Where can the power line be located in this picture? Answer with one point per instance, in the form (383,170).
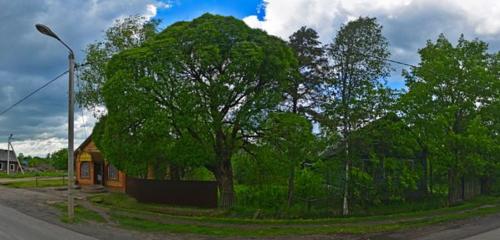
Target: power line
(87,63)
(32,93)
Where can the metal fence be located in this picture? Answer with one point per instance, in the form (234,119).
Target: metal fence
(179,193)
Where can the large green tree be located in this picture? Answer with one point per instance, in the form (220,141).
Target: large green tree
(446,94)
(124,34)
(355,94)
(305,85)
(211,81)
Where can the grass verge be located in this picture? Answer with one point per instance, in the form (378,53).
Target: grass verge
(157,218)
(41,183)
(33,174)
(265,230)
(82,214)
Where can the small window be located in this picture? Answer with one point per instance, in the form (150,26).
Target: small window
(112,172)
(12,167)
(84,170)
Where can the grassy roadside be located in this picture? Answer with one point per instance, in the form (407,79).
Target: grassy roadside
(33,174)
(82,214)
(40,183)
(155,218)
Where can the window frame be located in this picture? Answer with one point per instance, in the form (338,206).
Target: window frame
(117,173)
(81,170)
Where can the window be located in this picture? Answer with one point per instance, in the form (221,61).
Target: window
(1,166)
(12,167)
(112,172)
(84,170)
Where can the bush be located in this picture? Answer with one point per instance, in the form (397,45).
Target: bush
(265,197)
(310,188)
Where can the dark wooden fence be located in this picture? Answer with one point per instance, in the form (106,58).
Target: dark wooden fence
(179,193)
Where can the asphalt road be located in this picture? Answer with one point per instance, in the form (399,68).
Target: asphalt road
(491,235)
(15,225)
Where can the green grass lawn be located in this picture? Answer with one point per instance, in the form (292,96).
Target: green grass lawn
(37,184)
(82,214)
(159,218)
(33,174)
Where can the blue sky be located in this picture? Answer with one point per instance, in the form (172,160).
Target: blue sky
(189,9)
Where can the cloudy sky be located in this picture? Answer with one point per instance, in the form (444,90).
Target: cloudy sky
(28,59)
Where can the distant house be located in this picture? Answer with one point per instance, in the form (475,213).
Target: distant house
(92,169)
(9,156)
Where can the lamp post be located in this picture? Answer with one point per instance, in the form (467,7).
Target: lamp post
(71,104)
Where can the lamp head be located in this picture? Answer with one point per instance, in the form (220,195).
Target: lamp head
(46,31)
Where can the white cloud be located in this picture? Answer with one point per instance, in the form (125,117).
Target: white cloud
(282,17)
(407,24)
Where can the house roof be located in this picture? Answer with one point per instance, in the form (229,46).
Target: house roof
(3,155)
(84,143)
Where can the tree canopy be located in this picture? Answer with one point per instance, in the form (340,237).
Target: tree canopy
(208,82)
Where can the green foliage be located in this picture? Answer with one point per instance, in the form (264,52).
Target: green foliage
(270,197)
(447,94)
(125,33)
(264,167)
(305,85)
(59,159)
(354,96)
(310,187)
(213,97)
(208,82)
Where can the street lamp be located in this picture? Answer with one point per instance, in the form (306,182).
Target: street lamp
(71,104)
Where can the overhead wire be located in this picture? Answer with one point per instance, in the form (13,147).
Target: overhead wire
(87,63)
(32,93)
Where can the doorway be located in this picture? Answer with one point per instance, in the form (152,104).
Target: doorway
(98,173)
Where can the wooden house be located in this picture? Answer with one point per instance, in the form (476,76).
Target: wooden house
(8,159)
(94,173)
(92,169)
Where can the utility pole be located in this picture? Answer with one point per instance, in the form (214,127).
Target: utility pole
(71,103)
(9,148)
(71,137)
(8,154)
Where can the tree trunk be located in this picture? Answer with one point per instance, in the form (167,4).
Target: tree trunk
(291,186)
(424,181)
(151,172)
(224,177)
(175,174)
(454,188)
(431,178)
(485,185)
(345,204)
